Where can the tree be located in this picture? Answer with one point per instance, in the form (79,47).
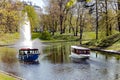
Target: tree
(9,15)
(32,15)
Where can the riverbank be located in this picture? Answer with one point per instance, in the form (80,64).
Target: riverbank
(106,51)
(8,39)
(8,76)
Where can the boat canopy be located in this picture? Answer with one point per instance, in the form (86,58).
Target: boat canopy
(28,49)
(79,47)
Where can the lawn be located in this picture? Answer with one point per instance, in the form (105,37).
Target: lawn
(8,38)
(6,77)
(115,46)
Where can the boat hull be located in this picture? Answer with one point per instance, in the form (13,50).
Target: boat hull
(79,57)
(30,57)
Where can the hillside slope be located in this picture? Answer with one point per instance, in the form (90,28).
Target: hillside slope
(112,42)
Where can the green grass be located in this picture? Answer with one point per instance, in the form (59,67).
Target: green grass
(115,46)
(89,35)
(6,77)
(56,37)
(8,38)
(35,35)
(110,43)
(67,36)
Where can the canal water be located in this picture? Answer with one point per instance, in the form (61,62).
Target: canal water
(55,64)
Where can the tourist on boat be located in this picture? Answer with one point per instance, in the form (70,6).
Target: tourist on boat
(28,52)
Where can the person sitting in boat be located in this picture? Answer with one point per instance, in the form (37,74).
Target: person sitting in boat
(24,53)
(28,52)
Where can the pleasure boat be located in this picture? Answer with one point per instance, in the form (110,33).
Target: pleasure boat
(78,52)
(27,54)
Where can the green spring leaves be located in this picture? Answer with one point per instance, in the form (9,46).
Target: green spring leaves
(70,3)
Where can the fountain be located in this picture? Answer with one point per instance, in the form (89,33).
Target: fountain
(25,36)
(29,50)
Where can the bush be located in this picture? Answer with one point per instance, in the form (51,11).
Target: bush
(65,37)
(92,42)
(109,40)
(45,35)
(35,35)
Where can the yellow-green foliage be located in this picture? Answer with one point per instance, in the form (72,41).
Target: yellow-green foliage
(32,15)
(8,38)
(70,3)
(111,23)
(9,17)
(88,0)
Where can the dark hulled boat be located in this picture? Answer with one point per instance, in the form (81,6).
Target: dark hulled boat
(27,54)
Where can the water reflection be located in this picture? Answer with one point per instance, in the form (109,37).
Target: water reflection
(8,56)
(59,53)
(8,60)
(56,65)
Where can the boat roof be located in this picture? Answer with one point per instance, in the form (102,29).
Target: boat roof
(26,49)
(79,47)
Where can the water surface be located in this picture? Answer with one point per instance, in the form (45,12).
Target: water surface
(55,64)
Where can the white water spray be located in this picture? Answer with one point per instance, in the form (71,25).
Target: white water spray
(25,37)
(25,34)
(25,31)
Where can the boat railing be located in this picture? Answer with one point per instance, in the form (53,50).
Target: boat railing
(28,51)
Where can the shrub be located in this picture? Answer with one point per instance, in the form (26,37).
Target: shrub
(65,37)
(45,35)
(109,40)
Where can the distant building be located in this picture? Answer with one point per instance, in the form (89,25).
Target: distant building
(37,8)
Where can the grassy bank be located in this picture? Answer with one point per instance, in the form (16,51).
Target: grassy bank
(110,43)
(115,46)
(13,37)
(87,36)
(8,38)
(6,77)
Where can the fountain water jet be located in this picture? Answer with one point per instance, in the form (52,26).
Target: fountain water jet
(25,34)
(25,37)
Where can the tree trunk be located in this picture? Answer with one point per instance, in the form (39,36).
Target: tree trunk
(76,34)
(61,17)
(110,29)
(106,18)
(118,15)
(81,28)
(96,19)
(81,32)
(61,24)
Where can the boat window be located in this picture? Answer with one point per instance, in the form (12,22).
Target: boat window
(84,52)
(79,51)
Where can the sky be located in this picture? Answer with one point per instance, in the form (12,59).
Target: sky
(37,2)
